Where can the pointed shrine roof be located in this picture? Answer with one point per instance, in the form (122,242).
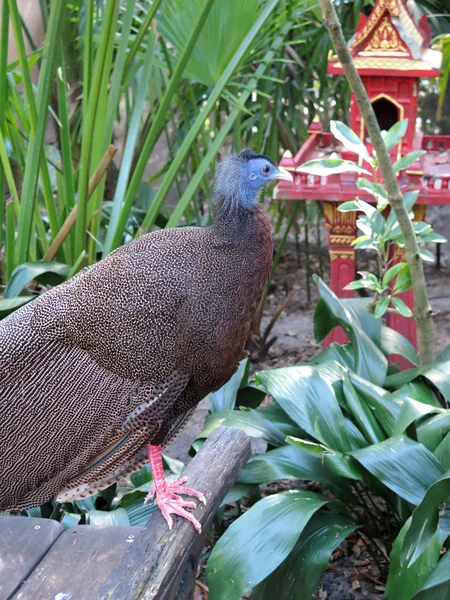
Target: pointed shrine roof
(390,39)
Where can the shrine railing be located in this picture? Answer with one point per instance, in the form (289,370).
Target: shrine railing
(435,143)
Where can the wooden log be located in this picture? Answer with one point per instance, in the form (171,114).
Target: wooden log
(161,564)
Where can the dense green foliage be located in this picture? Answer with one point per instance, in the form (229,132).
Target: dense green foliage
(376,440)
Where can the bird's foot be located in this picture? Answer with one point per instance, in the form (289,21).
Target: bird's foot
(170,503)
(168,494)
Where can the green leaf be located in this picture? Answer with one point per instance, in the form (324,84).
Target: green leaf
(395,133)
(214,48)
(419,391)
(404,466)
(330,166)
(406,161)
(309,399)
(27,272)
(412,411)
(393,271)
(424,524)
(70,520)
(392,342)
(291,462)
(299,575)
(350,140)
(370,362)
(382,306)
(431,432)
(402,308)
(436,586)
(7,305)
(255,423)
(403,281)
(225,397)
(258,542)
(384,406)
(404,582)
(102,518)
(238,491)
(362,414)
(426,255)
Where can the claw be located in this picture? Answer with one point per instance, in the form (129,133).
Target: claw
(167,494)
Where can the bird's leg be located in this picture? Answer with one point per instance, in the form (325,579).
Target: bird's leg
(167,494)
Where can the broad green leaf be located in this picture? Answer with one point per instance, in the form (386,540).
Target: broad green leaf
(374,188)
(419,391)
(70,520)
(298,577)
(350,140)
(370,362)
(385,407)
(424,525)
(395,133)
(404,582)
(27,272)
(9,304)
(255,423)
(337,353)
(362,414)
(102,518)
(310,401)
(431,432)
(258,542)
(411,411)
(349,206)
(436,585)
(404,466)
(325,320)
(392,342)
(426,255)
(137,512)
(238,491)
(393,271)
(330,166)
(406,161)
(402,308)
(442,452)
(382,306)
(343,465)
(291,462)
(215,47)
(225,397)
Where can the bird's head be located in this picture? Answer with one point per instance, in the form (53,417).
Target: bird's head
(240,176)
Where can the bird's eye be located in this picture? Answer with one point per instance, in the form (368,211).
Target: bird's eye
(266,169)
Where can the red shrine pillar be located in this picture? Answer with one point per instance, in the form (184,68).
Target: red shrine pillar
(342,232)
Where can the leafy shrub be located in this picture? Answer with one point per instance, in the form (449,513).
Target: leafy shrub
(377,440)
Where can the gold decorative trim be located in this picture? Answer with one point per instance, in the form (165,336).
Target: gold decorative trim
(408,172)
(389,64)
(343,254)
(341,240)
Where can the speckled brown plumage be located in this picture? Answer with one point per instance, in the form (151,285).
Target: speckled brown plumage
(119,356)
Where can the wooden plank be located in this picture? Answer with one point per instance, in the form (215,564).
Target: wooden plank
(23,543)
(78,563)
(161,564)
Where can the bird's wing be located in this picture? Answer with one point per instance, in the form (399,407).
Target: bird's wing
(70,364)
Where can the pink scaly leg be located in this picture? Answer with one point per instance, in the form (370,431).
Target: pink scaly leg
(167,497)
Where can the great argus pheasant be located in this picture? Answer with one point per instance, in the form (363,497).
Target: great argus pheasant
(101,372)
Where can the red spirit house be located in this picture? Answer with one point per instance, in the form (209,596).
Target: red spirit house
(391,52)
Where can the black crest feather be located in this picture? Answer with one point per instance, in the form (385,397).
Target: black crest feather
(249,155)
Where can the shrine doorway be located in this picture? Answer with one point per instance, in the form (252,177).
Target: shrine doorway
(387,113)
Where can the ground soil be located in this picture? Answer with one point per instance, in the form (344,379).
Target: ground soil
(351,574)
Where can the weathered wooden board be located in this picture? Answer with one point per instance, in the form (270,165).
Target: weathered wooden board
(78,563)
(161,564)
(23,542)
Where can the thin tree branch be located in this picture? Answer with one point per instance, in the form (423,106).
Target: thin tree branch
(422,310)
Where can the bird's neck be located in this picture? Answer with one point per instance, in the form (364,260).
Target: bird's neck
(239,225)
